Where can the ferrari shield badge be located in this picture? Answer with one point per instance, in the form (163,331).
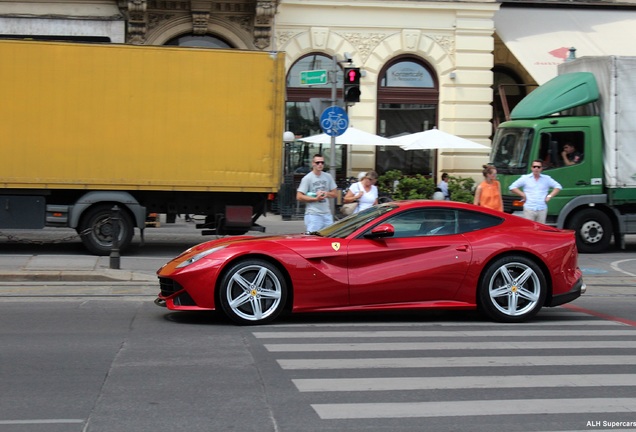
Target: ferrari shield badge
(335,246)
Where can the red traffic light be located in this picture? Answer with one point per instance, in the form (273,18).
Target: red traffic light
(352,75)
(351,90)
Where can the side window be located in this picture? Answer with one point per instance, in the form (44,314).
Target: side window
(407,224)
(560,149)
(424,222)
(439,222)
(471,221)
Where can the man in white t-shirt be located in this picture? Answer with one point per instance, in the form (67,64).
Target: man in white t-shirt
(314,189)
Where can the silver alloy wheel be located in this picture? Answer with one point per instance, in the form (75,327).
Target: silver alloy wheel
(514,289)
(254,292)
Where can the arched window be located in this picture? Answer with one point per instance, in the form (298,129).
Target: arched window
(304,102)
(407,73)
(304,106)
(408,98)
(201,41)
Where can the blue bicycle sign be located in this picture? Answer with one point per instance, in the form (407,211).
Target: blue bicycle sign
(334,121)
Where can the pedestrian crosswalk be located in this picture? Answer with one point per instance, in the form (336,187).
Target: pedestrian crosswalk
(564,372)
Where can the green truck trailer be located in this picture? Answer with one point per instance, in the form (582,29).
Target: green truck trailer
(591,105)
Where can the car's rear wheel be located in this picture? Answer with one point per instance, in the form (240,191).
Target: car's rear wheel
(253,292)
(513,289)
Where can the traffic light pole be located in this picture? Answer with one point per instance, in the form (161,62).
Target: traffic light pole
(332,150)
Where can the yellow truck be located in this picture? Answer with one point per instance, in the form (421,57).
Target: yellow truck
(87,127)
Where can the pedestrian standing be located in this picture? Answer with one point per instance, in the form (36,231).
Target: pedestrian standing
(536,192)
(314,189)
(443,185)
(365,192)
(488,192)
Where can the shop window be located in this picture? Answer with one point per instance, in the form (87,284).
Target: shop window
(304,106)
(408,98)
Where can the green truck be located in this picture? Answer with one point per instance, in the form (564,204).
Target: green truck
(591,106)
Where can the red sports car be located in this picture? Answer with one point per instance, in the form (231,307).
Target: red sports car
(399,255)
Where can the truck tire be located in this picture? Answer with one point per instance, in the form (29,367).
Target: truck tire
(96,230)
(593,230)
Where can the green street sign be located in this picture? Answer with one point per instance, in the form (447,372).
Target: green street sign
(313,77)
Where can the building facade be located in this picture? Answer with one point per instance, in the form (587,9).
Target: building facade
(425,64)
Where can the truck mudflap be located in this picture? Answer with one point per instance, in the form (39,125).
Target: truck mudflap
(577,290)
(236,220)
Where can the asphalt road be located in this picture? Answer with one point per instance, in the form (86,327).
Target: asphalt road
(83,364)
(100,356)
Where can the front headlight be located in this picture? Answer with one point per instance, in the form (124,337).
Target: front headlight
(198,256)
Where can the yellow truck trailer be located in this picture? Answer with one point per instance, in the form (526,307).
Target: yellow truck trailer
(85,127)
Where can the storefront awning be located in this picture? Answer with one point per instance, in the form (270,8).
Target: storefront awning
(540,38)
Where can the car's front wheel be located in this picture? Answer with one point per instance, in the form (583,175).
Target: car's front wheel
(513,289)
(253,292)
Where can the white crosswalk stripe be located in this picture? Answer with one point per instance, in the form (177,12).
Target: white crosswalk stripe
(475,408)
(437,362)
(409,366)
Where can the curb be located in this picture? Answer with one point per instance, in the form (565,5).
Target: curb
(76,276)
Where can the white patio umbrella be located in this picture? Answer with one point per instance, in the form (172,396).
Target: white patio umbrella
(351,136)
(434,139)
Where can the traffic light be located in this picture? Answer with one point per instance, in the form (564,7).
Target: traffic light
(351,85)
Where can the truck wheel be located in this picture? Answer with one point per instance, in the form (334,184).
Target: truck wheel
(96,230)
(593,230)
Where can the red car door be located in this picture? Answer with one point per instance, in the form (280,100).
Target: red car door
(420,263)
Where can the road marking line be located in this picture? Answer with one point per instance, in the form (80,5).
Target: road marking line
(462,382)
(443,334)
(474,408)
(415,346)
(41,421)
(441,362)
(601,315)
(616,266)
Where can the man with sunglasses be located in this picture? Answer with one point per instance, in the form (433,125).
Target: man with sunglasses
(314,189)
(536,192)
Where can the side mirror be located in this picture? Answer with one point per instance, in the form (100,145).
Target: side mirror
(381,231)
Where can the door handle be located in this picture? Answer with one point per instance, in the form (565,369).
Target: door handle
(462,248)
(582,183)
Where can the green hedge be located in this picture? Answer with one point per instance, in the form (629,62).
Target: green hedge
(400,187)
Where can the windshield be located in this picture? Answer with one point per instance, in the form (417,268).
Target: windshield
(511,150)
(348,225)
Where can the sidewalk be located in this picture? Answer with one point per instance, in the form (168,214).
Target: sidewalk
(90,268)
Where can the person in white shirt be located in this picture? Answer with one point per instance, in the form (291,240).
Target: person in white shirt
(314,189)
(443,185)
(365,192)
(536,192)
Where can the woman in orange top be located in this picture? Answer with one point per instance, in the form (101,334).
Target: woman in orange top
(488,193)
